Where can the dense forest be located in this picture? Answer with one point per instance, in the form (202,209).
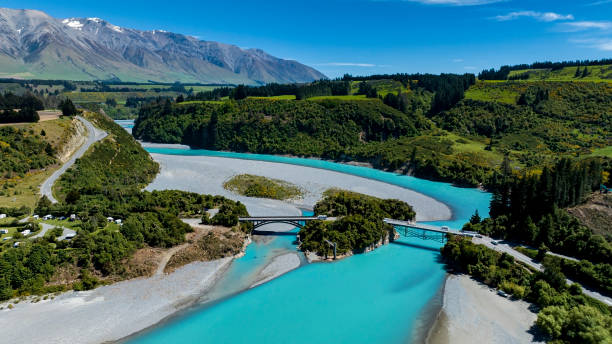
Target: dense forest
(531,123)
(364,130)
(529,209)
(360,224)
(565,315)
(503,72)
(106,182)
(22,151)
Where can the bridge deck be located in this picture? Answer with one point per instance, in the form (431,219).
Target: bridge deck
(277,218)
(424,227)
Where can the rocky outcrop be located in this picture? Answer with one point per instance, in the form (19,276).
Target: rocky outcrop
(76,140)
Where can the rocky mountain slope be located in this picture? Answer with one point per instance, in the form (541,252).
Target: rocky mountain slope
(36,45)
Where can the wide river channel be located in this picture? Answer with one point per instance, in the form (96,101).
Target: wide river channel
(385,296)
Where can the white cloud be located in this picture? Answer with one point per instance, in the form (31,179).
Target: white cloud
(541,16)
(457,60)
(599,2)
(604,44)
(587,25)
(346,64)
(456,2)
(469,68)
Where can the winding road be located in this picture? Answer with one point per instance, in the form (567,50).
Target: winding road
(94,135)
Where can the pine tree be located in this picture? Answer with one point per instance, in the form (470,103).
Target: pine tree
(577,74)
(585,73)
(213,130)
(475,219)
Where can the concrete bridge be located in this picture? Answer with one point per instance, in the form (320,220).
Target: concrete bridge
(297,221)
(406,228)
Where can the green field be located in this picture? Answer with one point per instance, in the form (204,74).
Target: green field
(120,97)
(595,73)
(469,146)
(382,86)
(496,91)
(191,102)
(349,97)
(147,87)
(606,151)
(284,97)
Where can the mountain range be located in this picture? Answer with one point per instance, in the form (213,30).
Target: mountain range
(34,45)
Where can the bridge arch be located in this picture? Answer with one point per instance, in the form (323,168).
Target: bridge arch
(257,224)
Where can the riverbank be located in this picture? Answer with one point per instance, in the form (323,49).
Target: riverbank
(180,172)
(112,312)
(471,311)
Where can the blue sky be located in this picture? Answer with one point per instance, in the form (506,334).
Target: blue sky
(373,36)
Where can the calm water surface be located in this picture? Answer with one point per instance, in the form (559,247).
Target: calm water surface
(378,297)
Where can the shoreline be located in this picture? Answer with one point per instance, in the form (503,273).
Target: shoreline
(110,313)
(343,162)
(216,170)
(471,310)
(177,146)
(201,301)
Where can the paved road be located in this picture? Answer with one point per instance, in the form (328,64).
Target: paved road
(47,227)
(501,247)
(94,135)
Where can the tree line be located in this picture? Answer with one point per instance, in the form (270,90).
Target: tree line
(529,209)
(19,108)
(503,72)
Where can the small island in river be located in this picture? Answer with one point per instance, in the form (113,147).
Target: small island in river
(257,186)
(358,227)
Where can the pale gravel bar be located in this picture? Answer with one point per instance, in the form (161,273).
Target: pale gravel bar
(473,313)
(111,312)
(206,174)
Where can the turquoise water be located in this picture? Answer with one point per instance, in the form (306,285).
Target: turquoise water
(378,297)
(125,123)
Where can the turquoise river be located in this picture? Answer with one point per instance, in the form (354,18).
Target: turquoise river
(385,296)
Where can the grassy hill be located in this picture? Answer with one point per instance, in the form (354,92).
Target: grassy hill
(594,74)
(533,123)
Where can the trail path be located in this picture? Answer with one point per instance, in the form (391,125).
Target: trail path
(166,258)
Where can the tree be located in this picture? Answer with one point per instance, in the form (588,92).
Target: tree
(72,197)
(180,99)
(585,72)
(552,320)
(111,102)
(577,74)
(213,130)
(475,219)
(240,92)
(28,115)
(68,108)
